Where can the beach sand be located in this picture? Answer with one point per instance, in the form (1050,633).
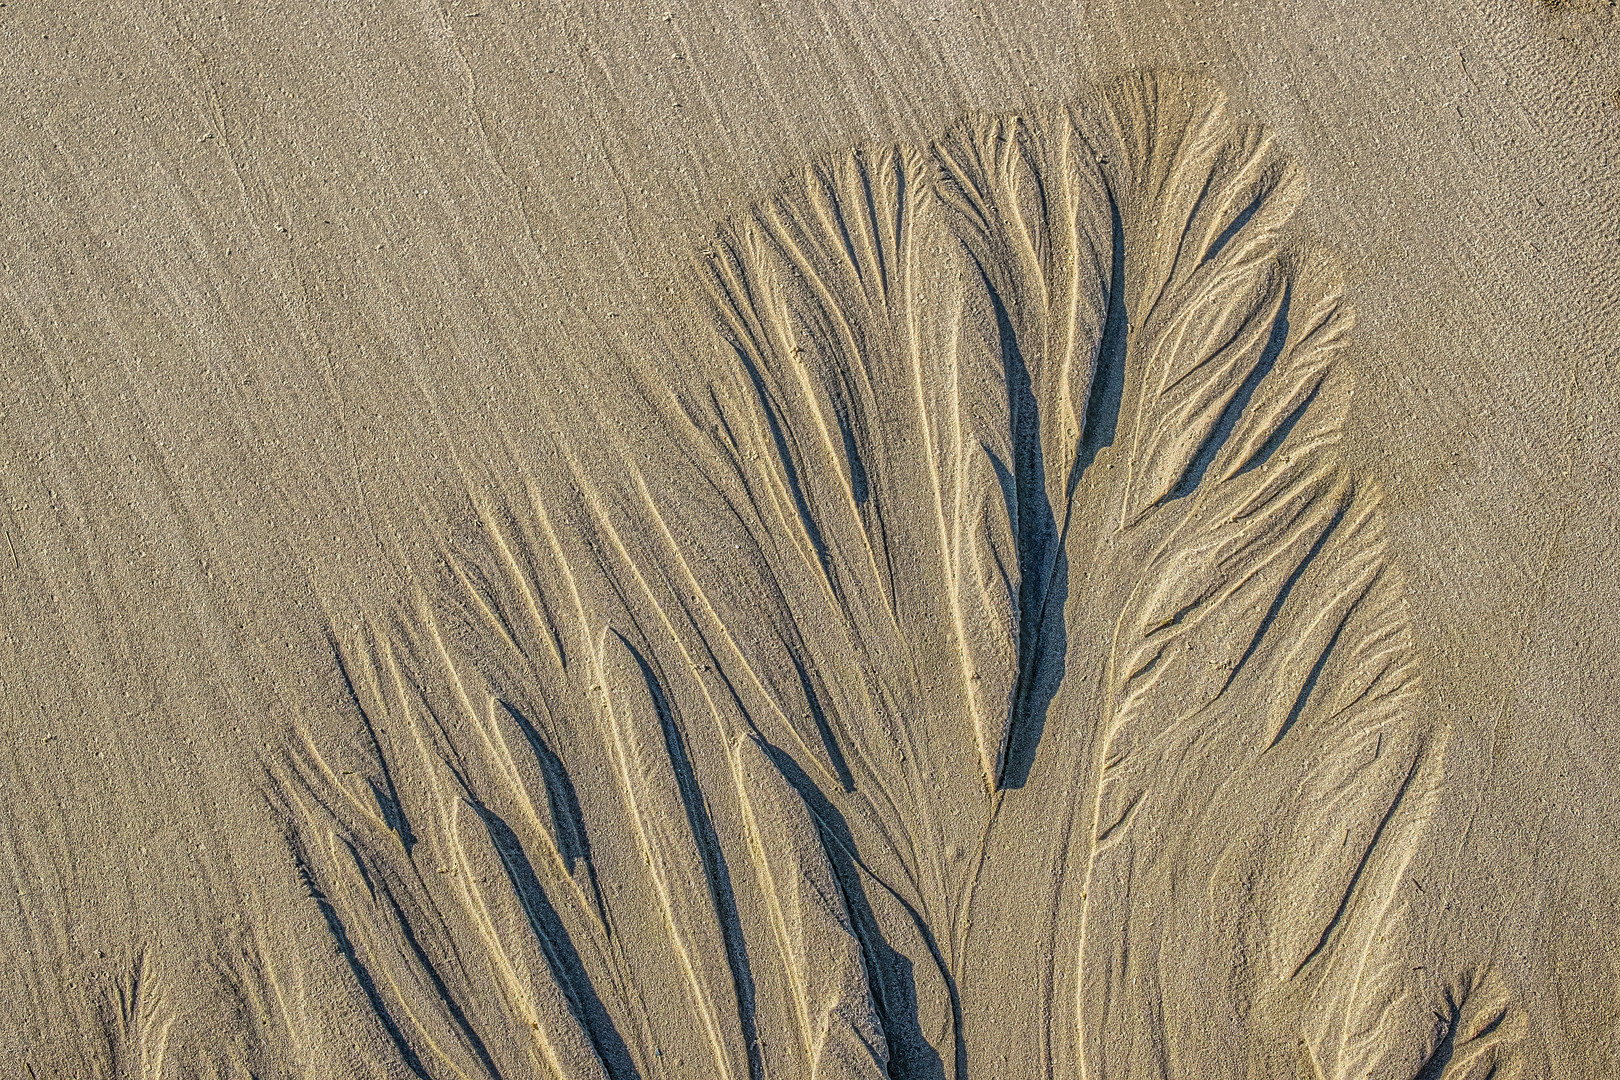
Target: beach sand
(732,539)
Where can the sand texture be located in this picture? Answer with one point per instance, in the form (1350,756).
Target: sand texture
(830,540)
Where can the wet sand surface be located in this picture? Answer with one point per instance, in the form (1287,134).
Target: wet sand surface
(759,539)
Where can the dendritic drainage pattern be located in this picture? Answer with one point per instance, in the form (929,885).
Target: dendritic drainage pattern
(1020,688)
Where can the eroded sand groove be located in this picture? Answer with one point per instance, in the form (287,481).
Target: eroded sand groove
(1035,698)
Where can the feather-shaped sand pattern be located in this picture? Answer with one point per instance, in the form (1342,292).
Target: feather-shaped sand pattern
(1019,686)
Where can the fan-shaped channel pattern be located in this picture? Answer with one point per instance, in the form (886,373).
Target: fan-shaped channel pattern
(1019,687)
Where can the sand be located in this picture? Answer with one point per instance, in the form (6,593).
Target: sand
(809,540)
